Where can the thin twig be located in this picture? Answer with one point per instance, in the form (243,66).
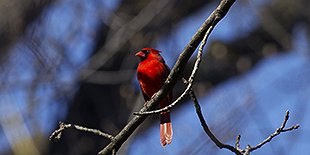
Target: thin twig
(167,108)
(276,133)
(207,130)
(237,145)
(62,127)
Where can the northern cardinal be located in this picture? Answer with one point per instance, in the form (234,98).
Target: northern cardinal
(152,73)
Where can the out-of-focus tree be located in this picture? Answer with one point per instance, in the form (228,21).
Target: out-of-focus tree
(15,16)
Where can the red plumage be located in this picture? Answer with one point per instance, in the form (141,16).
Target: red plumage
(152,73)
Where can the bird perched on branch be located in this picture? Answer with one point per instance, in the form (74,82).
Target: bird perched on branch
(152,73)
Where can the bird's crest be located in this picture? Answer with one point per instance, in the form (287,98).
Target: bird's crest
(146,49)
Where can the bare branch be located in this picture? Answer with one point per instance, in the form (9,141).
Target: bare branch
(276,133)
(175,73)
(237,145)
(207,130)
(237,149)
(62,127)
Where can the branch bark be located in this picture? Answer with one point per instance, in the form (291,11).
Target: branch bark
(62,127)
(207,130)
(175,73)
(278,131)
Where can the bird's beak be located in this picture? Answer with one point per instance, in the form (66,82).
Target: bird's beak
(140,54)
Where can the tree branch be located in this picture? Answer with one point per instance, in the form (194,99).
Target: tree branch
(276,133)
(237,149)
(56,135)
(175,73)
(237,144)
(207,130)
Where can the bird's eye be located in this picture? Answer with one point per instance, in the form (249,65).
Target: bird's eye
(146,51)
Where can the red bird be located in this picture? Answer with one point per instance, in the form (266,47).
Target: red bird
(152,73)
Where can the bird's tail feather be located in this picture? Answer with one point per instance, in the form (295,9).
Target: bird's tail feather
(165,129)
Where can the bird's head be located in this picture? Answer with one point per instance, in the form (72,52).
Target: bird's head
(148,53)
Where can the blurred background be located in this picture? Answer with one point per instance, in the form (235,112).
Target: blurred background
(73,61)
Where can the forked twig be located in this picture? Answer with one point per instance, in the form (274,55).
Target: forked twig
(56,135)
(278,131)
